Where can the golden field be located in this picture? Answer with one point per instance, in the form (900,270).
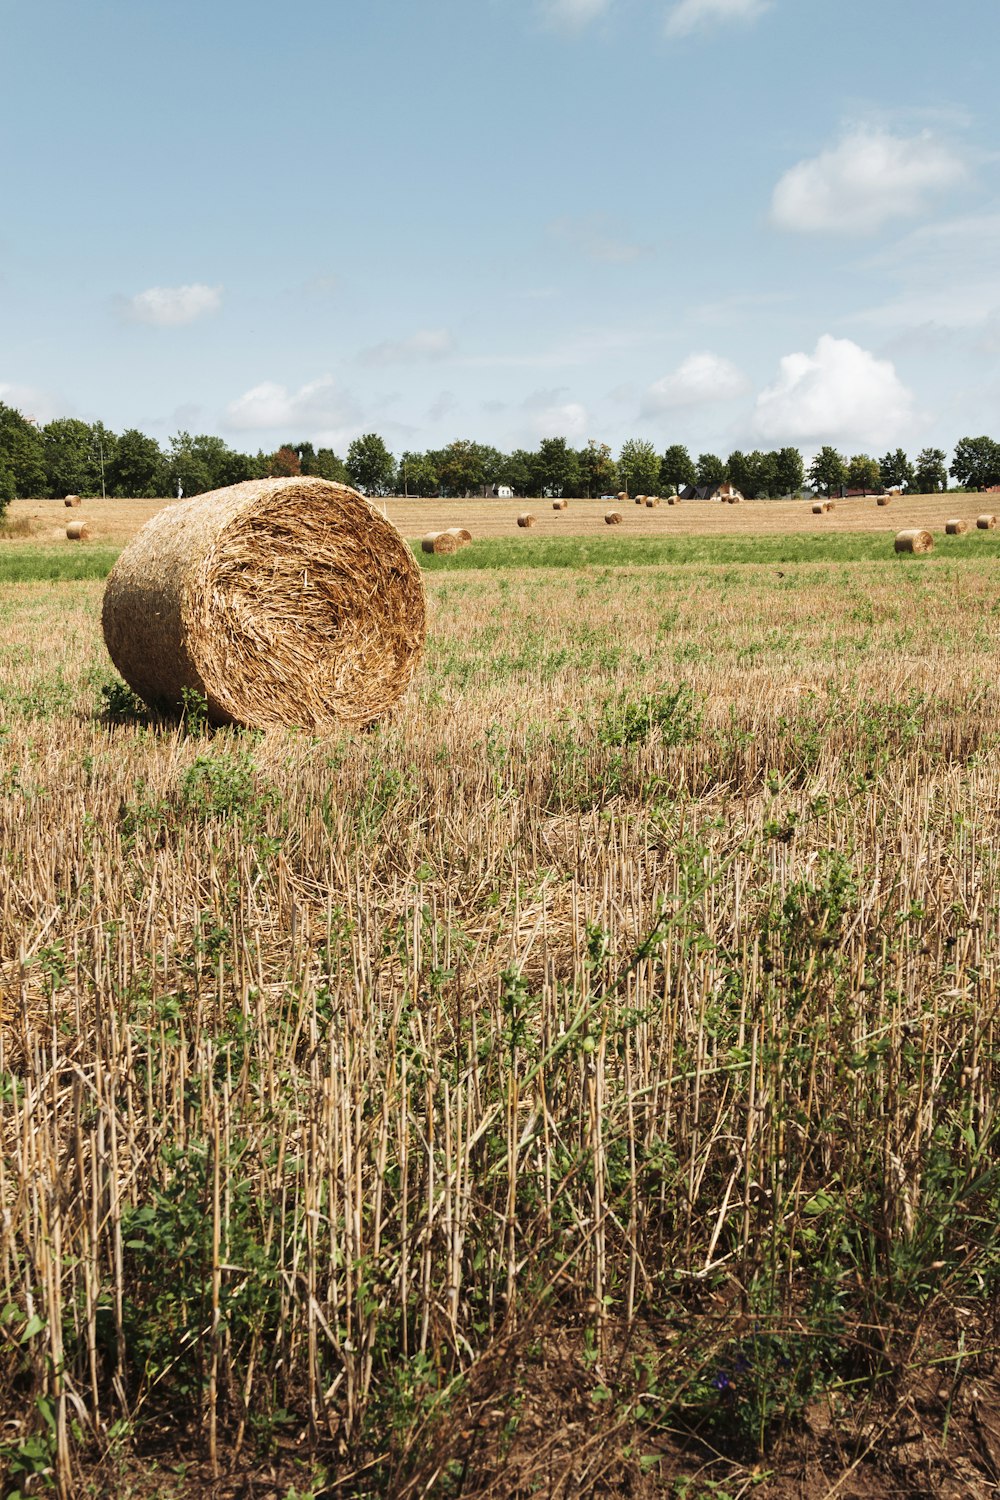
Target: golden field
(585,1083)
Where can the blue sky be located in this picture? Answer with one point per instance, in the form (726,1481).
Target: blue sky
(728,223)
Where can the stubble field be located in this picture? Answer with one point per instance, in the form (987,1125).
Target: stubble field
(585,1083)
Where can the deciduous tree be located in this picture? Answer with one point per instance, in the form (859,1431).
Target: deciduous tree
(828,470)
(136,467)
(598,470)
(710,469)
(864,472)
(976,463)
(789,471)
(638,466)
(677,469)
(371,465)
(930,473)
(22,452)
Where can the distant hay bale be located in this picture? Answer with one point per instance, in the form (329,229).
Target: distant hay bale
(914,540)
(77,531)
(956,526)
(560,504)
(280,601)
(673,499)
(441,543)
(986,522)
(882,499)
(526,519)
(72,500)
(461,534)
(622,495)
(819,508)
(613,518)
(641,499)
(652,500)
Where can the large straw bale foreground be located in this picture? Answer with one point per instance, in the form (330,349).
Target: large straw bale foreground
(281,601)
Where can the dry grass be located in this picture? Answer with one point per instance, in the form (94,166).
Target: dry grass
(639,981)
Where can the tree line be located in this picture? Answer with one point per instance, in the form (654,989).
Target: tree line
(68,456)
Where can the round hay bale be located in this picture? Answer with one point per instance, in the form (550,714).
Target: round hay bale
(882,499)
(622,495)
(526,519)
(914,540)
(72,500)
(461,534)
(77,531)
(560,504)
(819,508)
(986,522)
(652,500)
(640,499)
(441,543)
(613,518)
(956,526)
(673,499)
(280,601)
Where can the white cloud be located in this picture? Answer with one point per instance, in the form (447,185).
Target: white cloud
(426,344)
(442,406)
(947,273)
(699,379)
(41,406)
(546,414)
(692,15)
(870,177)
(169,306)
(574,14)
(318,405)
(838,394)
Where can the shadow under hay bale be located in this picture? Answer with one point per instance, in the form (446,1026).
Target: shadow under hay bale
(613,518)
(526,519)
(441,543)
(280,601)
(956,526)
(986,522)
(914,540)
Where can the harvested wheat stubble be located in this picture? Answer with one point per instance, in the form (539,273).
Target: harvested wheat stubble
(440,542)
(526,519)
(560,504)
(613,518)
(882,499)
(281,601)
(72,500)
(956,526)
(461,534)
(986,522)
(914,540)
(77,531)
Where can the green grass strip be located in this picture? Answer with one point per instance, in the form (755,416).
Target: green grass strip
(620,552)
(54,564)
(57,563)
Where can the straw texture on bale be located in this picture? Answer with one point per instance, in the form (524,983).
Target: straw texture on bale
(652,500)
(441,543)
(462,535)
(560,504)
(914,540)
(882,499)
(280,601)
(956,526)
(526,519)
(986,522)
(72,500)
(613,518)
(77,531)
